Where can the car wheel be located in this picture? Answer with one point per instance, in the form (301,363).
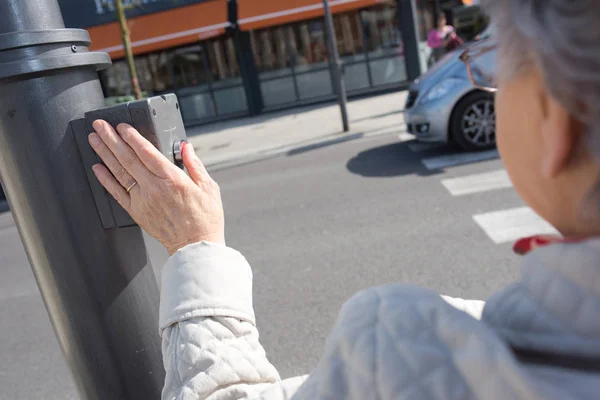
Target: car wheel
(473,123)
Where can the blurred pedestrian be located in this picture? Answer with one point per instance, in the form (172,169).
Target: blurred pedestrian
(440,37)
(539,338)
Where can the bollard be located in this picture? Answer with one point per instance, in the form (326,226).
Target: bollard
(97,284)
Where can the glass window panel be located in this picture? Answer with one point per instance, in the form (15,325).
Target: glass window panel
(318,45)
(189,67)
(278,91)
(277,73)
(231,100)
(425,18)
(144,74)
(222,59)
(227,83)
(196,107)
(380,26)
(218,60)
(159,66)
(123,79)
(314,84)
(302,43)
(109,78)
(348,35)
(388,70)
(234,69)
(356,77)
(270,49)
(153,74)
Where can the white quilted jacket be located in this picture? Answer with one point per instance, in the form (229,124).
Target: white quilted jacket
(394,341)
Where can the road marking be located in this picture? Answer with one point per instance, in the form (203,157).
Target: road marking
(510,225)
(405,137)
(451,160)
(418,147)
(477,183)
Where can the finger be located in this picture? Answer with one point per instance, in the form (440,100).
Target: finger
(121,150)
(112,186)
(109,159)
(194,165)
(153,159)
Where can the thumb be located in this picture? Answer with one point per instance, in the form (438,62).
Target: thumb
(193,164)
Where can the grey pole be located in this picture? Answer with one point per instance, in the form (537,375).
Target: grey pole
(98,285)
(407,20)
(336,73)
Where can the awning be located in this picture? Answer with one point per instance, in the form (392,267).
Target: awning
(255,14)
(166,29)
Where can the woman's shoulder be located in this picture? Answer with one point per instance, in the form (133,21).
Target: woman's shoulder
(401,304)
(396,339)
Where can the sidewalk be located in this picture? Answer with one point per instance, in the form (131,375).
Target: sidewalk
(243,140)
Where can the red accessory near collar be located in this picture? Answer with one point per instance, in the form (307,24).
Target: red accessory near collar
(525,245)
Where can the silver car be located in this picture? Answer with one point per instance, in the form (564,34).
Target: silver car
(444,106)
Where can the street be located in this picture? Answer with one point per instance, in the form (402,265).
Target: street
(317,226)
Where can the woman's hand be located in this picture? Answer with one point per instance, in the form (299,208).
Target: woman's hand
(176,209)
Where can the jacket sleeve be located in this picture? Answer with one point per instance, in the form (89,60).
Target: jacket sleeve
(210,343)
(472,307)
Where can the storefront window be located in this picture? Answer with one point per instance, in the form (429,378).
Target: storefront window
(205,76)
(293,61)
(189,67)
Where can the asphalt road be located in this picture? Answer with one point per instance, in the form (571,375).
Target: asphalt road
(317,226)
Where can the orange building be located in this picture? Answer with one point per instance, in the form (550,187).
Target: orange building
(275,57)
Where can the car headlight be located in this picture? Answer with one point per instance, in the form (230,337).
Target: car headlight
(441,89)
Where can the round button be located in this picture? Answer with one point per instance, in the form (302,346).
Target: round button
(177,150)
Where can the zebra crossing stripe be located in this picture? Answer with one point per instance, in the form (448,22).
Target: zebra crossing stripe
(477,183)
(451,160)
(512,224)
(405,136)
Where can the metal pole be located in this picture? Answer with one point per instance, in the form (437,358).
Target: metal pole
(98,285)
(408,22)
(338,79)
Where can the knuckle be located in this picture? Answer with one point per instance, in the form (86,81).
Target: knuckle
(121,175)
(128,159)
(178,184)
(213,185)
(146,148)
(124,130)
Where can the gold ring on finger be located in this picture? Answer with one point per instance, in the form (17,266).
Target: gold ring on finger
(131,186)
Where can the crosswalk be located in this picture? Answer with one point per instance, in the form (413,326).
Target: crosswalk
(500,226)
(477,183)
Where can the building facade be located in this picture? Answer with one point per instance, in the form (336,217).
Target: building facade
(275,57)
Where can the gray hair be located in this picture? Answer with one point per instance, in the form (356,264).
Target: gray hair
(562,37)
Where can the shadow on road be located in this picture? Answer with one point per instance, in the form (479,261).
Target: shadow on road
(337,139)
(389,160)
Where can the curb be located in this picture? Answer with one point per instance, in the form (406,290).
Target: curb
(298,148)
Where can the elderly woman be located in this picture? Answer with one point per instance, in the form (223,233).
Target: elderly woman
(537,339)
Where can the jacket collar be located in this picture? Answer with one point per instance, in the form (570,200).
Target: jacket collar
(526,245)
(555,306)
